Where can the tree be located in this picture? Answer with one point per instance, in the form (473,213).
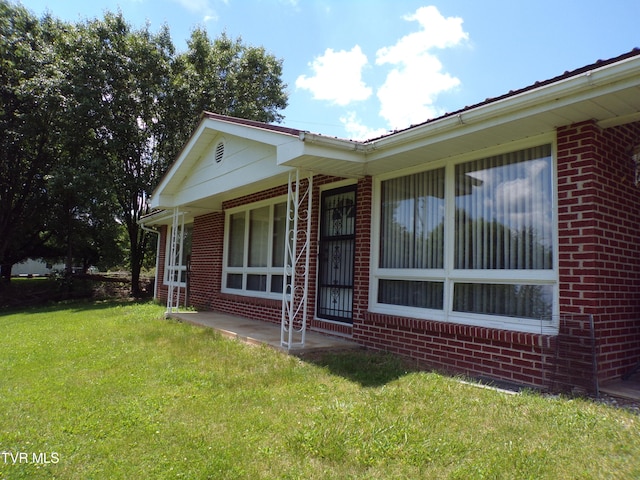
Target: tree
(30,100)
(91,116)
(223,76)
(151,101)
(121,77)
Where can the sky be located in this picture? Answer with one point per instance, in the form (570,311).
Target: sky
(359,69)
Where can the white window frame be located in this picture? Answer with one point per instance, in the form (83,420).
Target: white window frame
(181,268)
(245,270)
(448,275)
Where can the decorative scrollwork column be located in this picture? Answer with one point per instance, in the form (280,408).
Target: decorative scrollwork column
(296,261)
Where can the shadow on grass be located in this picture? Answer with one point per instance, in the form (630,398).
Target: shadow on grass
(366,367)
(78,305)
(26,294)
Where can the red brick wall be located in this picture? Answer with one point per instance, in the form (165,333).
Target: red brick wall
(206,259)
(207,263)
(599,232)
(512,356)
(249,307)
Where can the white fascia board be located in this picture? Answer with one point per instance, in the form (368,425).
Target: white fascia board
(161,201)
(319,146)
(260,135)
(160,217)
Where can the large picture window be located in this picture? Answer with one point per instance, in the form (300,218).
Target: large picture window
(471,241)
(254,258)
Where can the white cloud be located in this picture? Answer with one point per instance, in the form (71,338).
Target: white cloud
(411,87)
(414,78)
(337,77)
(356,130)
(437,32)
(408,94)
(200,7)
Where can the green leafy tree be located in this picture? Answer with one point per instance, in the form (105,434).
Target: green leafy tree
(91,116)
(223,76)
(30,101)
(122,76)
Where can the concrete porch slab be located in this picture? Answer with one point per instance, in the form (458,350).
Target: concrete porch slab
(257,332)
(629,388)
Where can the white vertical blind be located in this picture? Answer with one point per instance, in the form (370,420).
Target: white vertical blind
(279,234)
(412,221)
(255,248)
(236,240)
(258,237)
(503,211)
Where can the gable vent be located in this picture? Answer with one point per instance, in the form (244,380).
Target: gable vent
(219,152)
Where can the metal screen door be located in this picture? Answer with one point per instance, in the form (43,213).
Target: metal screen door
(336,255)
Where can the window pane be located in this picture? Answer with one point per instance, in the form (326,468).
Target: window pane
(174,275)
(411,293)
(412,221)
(234,280)
(236,240)
(524,301)
(503,216)
(340,214)
(258,237)
(176,271)
(186,244)
(257,283)
(182,258)
(279,234)
(276,283)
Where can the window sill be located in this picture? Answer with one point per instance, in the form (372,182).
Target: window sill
(523,334)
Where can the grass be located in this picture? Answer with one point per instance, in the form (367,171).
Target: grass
(114,391)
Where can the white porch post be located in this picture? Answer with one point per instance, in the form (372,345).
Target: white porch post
(296,261)
(175,261)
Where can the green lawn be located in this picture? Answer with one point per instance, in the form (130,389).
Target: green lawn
(114,391)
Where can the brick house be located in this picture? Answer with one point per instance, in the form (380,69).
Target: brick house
(501,240)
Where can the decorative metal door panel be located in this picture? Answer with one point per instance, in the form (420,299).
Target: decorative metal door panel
(337,255)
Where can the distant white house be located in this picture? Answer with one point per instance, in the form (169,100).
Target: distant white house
(35,267)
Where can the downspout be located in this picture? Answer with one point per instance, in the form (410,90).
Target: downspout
(155,283)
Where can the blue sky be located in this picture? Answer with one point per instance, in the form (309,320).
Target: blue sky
(360,68)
